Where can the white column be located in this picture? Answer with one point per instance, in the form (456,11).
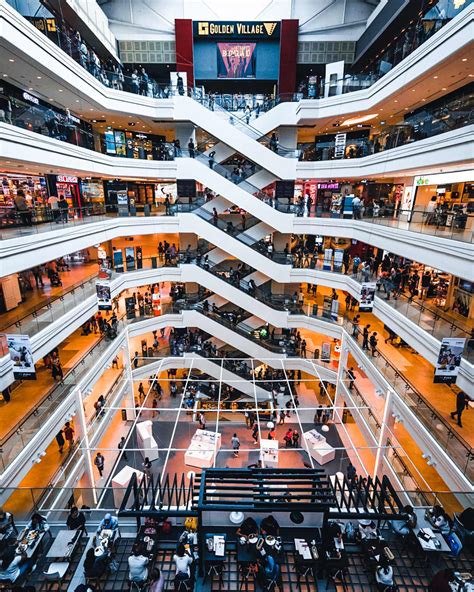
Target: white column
(84,444)
(387,412)
(341,374)
(129,397)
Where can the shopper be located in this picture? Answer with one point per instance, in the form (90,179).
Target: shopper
(53,203)
(76,520)
(157,581)
(182,560)
(288,438)
(255,433)
(365,337)
(191,148)
(99,462)
(121,446)
(351,472)
(235,444)
(211,159)
(63,208)
(462,403)
(60,440)
(147,467)
(137,565)
(373,343)
(202,421)
(69,434)
(295,438)
(356,208)
(26,215)
(351,377)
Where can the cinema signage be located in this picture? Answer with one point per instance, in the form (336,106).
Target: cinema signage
(237,30)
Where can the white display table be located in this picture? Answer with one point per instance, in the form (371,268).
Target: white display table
(145,440)
(120,483)
(269,453)
(202,449)
(320,450)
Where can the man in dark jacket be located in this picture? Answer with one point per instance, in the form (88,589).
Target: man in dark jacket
(462,402)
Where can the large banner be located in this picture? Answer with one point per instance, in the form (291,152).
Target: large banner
(449,360)
(104,298)
(367,295)
(19,347)
(236,60)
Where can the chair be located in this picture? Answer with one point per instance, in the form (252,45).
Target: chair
(461,530)
(455,544)
(214,569)
(136,586)
(183,585)
(56,572)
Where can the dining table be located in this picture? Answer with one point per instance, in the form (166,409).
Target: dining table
(64,544)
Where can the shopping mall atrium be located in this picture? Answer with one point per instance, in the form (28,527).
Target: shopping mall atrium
(237,295)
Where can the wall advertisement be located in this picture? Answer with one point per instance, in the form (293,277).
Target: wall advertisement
(104,296)
(236,60)
(449,360)
(21,354)
(367,295)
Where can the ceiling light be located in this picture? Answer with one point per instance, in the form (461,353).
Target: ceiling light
(60,90)
(11,60)
(38,77)
(395,101)
(77,100)
(5,75)
(91,109)
(463,60)
(361,119)
(471,75)
(444,88)
(31,88)
(435,77)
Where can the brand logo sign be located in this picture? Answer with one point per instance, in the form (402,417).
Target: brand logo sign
(30,98)
(246,29)
(422,181)
(66,179)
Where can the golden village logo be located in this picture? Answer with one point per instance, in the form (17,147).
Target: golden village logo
(208,28)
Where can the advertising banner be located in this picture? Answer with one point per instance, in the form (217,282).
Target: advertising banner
(156,302)
(340,145)
(21,354)
(130,258)
(327,307)
(236,60)
(130,307)
(367,295)
(139,258)
(327,261)
(338,257)
(449,360)
(118,261)
(104,297)
(334,309)
(122,203)
(325,351)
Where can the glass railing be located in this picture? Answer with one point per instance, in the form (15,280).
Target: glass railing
(447,437)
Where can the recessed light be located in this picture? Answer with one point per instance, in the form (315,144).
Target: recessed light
(31,88)
(5,75)
(413,89)
(77,100)
(435,77)
(471,75)
(463,60)
(444,88)
(423,100)
(91,109)
(39,77)
(50,99)
(11,60)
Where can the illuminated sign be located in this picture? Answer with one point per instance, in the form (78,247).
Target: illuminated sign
(66,179)
(258,29)
(30,98)
(422,181)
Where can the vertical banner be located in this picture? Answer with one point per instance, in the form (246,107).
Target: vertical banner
(118,261)
(367,295)
(236,60)
(139,258)
(327,307)
(130,258)
(156,302)
(104,297)
(327,261)
(326,351)
(122,203)
(21,354)
(340,145)
(130,307)
(449,360)
(334,309)
(338,258)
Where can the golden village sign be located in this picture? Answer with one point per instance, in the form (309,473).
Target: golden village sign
(235,30)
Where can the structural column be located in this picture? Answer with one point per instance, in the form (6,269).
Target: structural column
(387,421)
(341,375)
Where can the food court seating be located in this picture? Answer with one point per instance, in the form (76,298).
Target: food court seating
(56,572)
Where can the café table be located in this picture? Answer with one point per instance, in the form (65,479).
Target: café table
(436,542)
(31,549)
(214,563)
(64,544)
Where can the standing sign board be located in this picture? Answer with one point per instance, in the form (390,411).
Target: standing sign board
(367,295)
(104,297)
(449,360)
(19,347)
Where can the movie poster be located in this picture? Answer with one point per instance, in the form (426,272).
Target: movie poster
(104,297)
(118,260)
(21,354)
(236,60)
(449,360)
(367,295)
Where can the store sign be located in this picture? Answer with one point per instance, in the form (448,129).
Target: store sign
(66,179)
(259,29)
(30,98)
(420,181)
(328,186)
(340,145)
(449,360)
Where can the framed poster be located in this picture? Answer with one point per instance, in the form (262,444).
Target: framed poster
(21,354)
(367,295)
(449,360)
(104,297)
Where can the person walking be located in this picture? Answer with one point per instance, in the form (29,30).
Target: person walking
(22,208)
(147,467)
(462,403)
(53,203)
(235,444)
(255,433)
(191,148)
(295,438)
(202,421)
(121,446)
(69,434)
(60,441)
(99,462)
(351,377)
(373,343)
(56,369)
(211,159)
(63,208)
(365,337)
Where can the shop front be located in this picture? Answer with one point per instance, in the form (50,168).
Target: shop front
(445,200)
(24,109)
(130,197)
(127,144)
(70,187)
(35,191)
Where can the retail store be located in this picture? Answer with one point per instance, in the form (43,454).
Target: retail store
(24,109)
(135,195)
(445,200)
(128,144)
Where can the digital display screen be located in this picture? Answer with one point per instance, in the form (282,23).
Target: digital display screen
(236,60)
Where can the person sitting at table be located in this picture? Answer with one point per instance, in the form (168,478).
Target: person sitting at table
(384,574)
(7,528)
(14,564)
(38,523)
(441,581)
(248,526)
(367,530)
(95,566)
(109,522)
(439,519)
(76,520)
(182,560)
(137,565)
(269,526)
(404,527)
(331,534)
